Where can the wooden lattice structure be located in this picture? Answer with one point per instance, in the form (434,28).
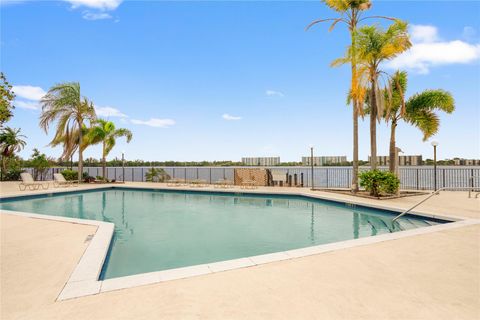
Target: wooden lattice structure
(259,176)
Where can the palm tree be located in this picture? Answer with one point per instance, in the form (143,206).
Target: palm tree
(374,46)
(63,103)
(11,141)
(104,132)
(419,110)
(351,14)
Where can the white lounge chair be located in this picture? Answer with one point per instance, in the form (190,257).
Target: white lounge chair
(28,182)
(279,177)
(223,183)
(59,180)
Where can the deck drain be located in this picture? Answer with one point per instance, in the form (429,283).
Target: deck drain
(88,238)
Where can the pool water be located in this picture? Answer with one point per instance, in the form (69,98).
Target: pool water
(158,230)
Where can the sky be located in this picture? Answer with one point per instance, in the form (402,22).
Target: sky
(220,80)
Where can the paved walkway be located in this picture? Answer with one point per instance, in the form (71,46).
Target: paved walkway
(430,276)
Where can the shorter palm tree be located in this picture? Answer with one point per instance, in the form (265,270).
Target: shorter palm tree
(418,110)
(11,141)
(65,105)
(104,132)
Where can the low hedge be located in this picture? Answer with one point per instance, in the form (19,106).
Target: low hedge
(377,182)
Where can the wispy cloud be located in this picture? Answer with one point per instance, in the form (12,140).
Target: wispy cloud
(28,97)
(95,4)
(155,122)
(8,2)
(30,105)
(96,16)
(429,50)
(229,117)
(99,8)
(109,112)
(469,33)
(28,92)
(273,93)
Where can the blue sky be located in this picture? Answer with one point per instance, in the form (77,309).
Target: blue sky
(221,80)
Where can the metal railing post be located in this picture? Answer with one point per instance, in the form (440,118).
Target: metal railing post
(417,179)
(326,170)
(443,177)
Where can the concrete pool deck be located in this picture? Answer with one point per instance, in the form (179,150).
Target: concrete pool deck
(429,276)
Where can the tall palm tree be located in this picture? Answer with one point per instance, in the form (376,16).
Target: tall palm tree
(64,104)
(351,14)
(419,110)
(104,132)
(11,141)
(374,46)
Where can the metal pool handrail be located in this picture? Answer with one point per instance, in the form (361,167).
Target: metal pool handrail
(428,197)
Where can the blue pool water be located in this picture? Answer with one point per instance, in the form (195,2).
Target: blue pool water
(157,230)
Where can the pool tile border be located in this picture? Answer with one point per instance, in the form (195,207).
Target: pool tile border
(84,279)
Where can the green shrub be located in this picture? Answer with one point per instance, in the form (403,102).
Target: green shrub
(40,164)
(12,174)
(377,182)
(72,174)
(13,169)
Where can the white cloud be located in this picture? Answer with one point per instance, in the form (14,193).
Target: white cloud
(421,33)
(96,4)
(31,105)
(429,51)
(155,122)
(109,112)
(228,117)
(273,93)
(28,92)
(27,97)
(96,16)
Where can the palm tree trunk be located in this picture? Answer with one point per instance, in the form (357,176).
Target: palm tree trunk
(392,153)
(80,154)
(355,148)
(104,161)
(4,165)
(373,126)
(352,28)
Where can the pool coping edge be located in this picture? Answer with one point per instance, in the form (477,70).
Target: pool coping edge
(83,281)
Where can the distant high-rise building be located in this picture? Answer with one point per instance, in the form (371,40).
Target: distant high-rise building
(261,161)
(415,160)
(466,162)
(324,160)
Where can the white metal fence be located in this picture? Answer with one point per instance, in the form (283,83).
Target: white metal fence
(411,177)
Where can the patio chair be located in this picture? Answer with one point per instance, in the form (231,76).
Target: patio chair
(59,180)
(28,182)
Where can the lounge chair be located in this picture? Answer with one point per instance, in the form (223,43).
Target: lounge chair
(59,180)
(279,177)
(175,182)
(223,183)
(199,183)
(28,182)
(249,184)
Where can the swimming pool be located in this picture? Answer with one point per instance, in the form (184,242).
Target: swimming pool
(165,229)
